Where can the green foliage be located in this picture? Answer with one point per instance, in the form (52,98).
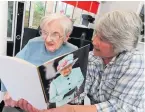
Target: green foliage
(26,19)
(39,7)
(39,10)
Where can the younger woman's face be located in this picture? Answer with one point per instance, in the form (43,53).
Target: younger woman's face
(102,48)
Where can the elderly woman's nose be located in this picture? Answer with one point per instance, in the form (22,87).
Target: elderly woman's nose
(48,39)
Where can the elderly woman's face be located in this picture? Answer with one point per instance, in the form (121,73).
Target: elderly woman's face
(102,48)
(53,34)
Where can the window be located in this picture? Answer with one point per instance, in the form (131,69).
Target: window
(50,7)
(10,19)
(27,14)
(77,16)
(33,13)
(39,11)
(69,10)
(61,7)
(35,10)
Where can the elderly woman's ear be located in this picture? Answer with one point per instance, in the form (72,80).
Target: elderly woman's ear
(67,37)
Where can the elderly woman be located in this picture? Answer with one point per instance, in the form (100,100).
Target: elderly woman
(52,43)
(115,70)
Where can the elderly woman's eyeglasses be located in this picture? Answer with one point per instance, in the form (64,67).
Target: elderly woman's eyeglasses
(53,36)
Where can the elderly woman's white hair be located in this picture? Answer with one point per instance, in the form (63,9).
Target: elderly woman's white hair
(64,21)
(121,29)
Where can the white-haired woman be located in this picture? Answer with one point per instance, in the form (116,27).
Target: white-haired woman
(55,31)
(115,81)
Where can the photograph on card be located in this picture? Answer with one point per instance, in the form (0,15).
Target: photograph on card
(63,78)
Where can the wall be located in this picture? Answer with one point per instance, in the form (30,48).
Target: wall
(108,6)
(3,31)
(3,27)
(119,5)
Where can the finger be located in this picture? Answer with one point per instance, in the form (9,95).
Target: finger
(9,102)
(45,110)
(13,103)
(6,103)
(30,108)
(52,110)
(24,104)
(20,104)
(7,96)
(35,110)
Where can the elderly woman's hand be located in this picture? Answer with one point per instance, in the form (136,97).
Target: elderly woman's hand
(24,105)
(65,108)
(73,108)
(9,101)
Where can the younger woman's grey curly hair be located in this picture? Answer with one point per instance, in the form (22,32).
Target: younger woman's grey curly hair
(121,29)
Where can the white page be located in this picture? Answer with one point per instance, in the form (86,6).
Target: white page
(22,81)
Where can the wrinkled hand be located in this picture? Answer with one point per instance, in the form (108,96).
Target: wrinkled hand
(65,108)
(9,101)
(74,108)
(25,105)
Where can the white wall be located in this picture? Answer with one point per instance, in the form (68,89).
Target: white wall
(3,31)
(3,26)
(119,5)
(108,6)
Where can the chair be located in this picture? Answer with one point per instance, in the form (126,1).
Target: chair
(79,40)
(29,33)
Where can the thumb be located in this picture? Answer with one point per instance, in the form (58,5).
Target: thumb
(13,103)
(7,101)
